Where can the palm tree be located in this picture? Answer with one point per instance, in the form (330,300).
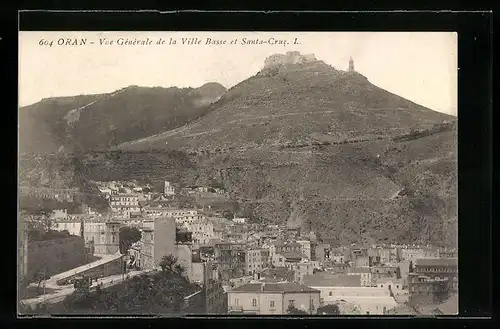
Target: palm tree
(167,263)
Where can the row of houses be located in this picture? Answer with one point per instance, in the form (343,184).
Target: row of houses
(431,283)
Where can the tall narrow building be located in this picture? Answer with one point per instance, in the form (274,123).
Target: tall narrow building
(351,65)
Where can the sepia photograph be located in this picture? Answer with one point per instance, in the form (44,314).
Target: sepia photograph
(237,173)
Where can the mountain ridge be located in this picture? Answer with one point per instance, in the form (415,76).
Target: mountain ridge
(321,148)
(63,123)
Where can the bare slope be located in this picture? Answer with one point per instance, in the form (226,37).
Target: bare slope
(312,146)
(83,123)
(326,149)
(297,104)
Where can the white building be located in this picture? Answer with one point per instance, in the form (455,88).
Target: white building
(202,230)
(335,289)
(72,225)
(305,247)
(168,189)
(117,201)
(239,220)
(107,192)
(181,215)
(59,214)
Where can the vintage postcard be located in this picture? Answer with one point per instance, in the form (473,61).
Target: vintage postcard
(250,173)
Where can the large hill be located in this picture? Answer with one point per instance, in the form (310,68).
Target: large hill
(303,143)
(89,122)
(326,149)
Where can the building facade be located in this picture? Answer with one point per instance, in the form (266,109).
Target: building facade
(423,289)
(215,296)
(438,269)
(104,234)
(230,258)
(102,231)
(272,298)
(203,230)
(322,252)
(381,272)
(365,275)
(116,202)
(347,288)
(72,225)
(158,240)
(300,270)
(292,247)
(415,253)
(256,260)
(168,189)
(305,248)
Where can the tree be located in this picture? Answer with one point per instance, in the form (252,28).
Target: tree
(38,226)
(295,311)
(179,269)
(39,277)
(127,236)
(167,263)
(330,309)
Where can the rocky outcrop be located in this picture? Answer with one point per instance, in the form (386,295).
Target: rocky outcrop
(289,58)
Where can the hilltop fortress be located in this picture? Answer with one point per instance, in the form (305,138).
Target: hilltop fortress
(290,57)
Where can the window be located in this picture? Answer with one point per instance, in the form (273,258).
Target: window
(330,293)
(254,302)
(291,302)
(271,303)
(237,301)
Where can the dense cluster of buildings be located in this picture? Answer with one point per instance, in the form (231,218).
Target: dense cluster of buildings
(247,268)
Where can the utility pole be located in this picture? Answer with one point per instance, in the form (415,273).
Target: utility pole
(44,291)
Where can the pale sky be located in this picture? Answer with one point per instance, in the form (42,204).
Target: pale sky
(419,66)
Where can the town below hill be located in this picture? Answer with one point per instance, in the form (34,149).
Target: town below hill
(303,181)
(221,263)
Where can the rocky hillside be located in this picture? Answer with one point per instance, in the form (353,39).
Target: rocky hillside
(326,149)
(295,105)
(84,123)
(315,147)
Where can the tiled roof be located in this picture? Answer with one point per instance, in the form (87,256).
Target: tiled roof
(437,262)
(330,280)
(274,287)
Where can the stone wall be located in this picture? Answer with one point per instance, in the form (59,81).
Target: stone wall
(289,58)
(107,269)
(55,256)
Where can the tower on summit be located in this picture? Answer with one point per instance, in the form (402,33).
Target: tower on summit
(351,65)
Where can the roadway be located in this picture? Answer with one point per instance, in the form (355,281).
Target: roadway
(63,291)
(52,281)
